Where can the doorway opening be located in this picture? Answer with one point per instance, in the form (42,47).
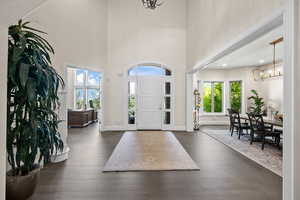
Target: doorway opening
(84,96)
(150,96)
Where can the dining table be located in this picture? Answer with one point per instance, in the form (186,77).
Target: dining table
(273,122)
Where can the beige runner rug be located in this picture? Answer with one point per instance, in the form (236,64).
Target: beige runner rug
(149,151)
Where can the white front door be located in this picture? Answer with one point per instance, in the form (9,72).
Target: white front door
(149,104)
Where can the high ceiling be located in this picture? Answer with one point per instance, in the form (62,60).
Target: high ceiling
(257,53)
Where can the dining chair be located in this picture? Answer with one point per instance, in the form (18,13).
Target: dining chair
(280,131)
(258,128)
(231,121)
(238,125)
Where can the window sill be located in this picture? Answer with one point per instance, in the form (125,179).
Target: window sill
(213,114)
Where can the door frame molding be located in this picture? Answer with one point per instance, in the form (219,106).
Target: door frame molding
(133,127)
(94,69)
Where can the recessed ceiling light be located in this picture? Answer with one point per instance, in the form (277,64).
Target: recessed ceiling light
(261,61)
(224,65)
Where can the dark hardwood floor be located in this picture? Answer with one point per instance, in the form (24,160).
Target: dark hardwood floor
(224,174)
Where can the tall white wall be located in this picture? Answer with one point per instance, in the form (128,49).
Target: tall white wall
(213,24)
(12,10)
(77,30)
(137,35)
(3,86)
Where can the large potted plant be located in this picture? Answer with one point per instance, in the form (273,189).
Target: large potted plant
(257,103)
(32,99)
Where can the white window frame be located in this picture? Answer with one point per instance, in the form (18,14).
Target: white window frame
(85,87)
(242,95)
(166,78)
(223,97)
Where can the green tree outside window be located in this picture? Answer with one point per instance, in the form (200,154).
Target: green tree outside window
(236,95)
(213,97)
(207,100)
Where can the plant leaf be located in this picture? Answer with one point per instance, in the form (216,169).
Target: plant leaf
(23,73)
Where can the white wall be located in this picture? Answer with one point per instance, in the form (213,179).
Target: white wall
(77,30)
(297,107)
(12,10)
(137,35)
(213,24)
(3,86)
(70,93)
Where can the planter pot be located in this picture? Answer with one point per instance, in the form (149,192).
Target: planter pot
(21,187)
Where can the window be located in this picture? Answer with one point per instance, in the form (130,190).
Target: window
(87,89)
(80,77)
(131,102)
(236,95)
(213,97)
(93,98)
(167,103)
(80,98)
(149,71)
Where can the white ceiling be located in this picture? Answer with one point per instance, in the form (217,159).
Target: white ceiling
(254,53)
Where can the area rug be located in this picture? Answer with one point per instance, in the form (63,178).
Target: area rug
(270,157)
(149,151)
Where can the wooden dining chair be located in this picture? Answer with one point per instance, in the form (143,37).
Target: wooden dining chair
(238,125)
(259,129)
(231,121)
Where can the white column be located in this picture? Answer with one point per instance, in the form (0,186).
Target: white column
(297,103)
(63,126)
(189,102)
(3,86)
(291,147)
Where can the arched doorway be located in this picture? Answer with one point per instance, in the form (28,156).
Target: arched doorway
(150,97)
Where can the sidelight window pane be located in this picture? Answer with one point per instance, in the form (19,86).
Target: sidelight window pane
(131,102)
(167,102)
(167,118)
(168,88)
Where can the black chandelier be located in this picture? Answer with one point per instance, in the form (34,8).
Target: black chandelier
(151,4)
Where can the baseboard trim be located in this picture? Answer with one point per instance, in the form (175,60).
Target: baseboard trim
(112,128)
(177,128)
(120,128)
(214,123)
(60,157)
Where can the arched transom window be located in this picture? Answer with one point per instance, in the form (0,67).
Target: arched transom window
(148,70)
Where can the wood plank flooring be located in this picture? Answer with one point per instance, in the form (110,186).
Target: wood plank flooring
(224,174)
